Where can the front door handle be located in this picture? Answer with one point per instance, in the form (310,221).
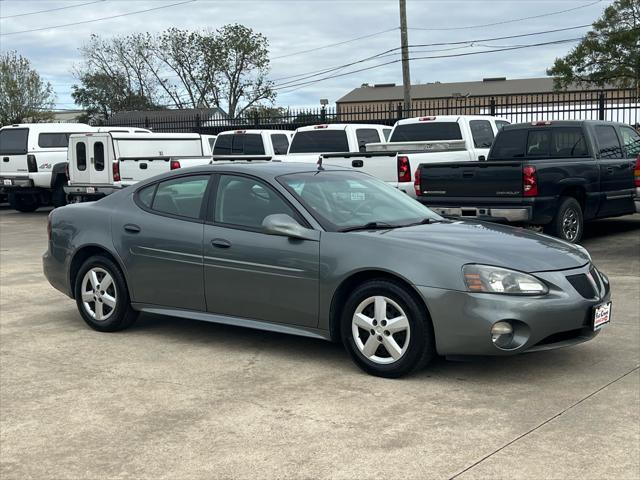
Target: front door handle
(5,159)
(357,163)
(610,170)
(131,228)
(220,243)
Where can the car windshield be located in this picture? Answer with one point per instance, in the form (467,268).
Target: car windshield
(344,200)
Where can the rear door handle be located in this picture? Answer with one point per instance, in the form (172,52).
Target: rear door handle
(357,163)
(5,159)
(220,243)
(131,228)
(610,170)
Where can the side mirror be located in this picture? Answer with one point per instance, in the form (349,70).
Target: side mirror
(285,226)
(482,158)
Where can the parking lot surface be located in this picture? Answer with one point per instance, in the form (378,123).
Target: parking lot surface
(173,398)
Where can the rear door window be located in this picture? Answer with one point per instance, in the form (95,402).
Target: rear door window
(280,143)
(631,141)
(98,156)
(13,141)
(366,135)
(426,131)
(319,141)
(81,156)
(608,143)
(482,133)
(181,196)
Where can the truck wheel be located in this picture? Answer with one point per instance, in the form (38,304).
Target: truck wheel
(386,332)
(59,196)
(24,202)
(568,223)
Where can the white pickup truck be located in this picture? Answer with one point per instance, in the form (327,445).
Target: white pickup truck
(309,142)
(251,144)
(101,163)
(420,140)
(33,158)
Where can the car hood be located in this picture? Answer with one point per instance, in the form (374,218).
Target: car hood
(489,244)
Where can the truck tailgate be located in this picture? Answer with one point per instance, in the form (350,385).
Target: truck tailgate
(471,179)
(382,165)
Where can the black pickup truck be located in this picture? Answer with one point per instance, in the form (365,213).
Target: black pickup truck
(556,174)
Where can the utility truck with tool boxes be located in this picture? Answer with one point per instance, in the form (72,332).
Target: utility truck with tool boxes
(101,163)
(33,159)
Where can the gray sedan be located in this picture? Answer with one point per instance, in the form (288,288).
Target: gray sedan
(327,253)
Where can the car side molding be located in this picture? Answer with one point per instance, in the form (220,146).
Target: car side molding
(235,321)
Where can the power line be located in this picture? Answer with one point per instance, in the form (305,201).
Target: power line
(555,42)
(439,44)
(50,10)
(98,19)
(335,44)
(503,22)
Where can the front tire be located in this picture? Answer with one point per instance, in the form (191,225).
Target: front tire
(568,223)
(23,202)
(385,330)
(102,296)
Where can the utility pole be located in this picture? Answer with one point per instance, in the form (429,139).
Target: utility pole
(404,42)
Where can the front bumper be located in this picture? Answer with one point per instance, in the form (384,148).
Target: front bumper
(462,320)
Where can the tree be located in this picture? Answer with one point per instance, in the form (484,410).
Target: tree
(102,95)
(24,96)
(185,69)
(241,56)
(609,54)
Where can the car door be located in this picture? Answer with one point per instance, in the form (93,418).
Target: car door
(100,151)
(159,237)
(616,173)
(249,273)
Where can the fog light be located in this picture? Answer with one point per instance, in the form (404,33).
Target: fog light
(502,334)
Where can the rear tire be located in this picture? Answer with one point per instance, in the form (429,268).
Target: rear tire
(59,196)
(385,330)
(102,296)
(24,202)
(568,223)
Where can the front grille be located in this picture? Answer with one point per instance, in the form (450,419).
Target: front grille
(582,284)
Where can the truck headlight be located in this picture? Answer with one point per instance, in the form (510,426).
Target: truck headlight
(488,279)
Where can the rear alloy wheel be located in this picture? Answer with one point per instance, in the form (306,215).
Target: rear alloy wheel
(568,223)
(23,202)
(102,296)
(386,331)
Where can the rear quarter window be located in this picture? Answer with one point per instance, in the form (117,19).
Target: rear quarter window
(13,141)
(558,142)
(319,141)
(426,131)
(53,140)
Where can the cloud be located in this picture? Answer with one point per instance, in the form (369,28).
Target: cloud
(295,25)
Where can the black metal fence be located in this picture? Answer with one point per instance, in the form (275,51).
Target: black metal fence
(614,105)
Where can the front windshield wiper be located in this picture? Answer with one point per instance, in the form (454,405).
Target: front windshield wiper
(368,226)
(424,221)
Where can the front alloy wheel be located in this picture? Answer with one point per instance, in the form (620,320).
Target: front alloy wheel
(386,329)
(381,330)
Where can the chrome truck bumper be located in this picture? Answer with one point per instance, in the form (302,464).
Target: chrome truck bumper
(500,214)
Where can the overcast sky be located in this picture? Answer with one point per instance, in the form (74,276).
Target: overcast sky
(292,26)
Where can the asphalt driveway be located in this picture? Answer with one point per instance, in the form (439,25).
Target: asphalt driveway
(173,398)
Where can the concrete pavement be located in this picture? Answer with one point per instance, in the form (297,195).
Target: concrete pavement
(173,398)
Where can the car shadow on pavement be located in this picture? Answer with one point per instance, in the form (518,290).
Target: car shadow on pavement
(531,367)
(611,226)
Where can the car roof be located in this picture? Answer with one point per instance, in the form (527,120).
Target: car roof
(252,130)
(446,118)
(52,127)
(262,169)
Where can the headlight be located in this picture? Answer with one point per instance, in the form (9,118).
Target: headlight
(488,279)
